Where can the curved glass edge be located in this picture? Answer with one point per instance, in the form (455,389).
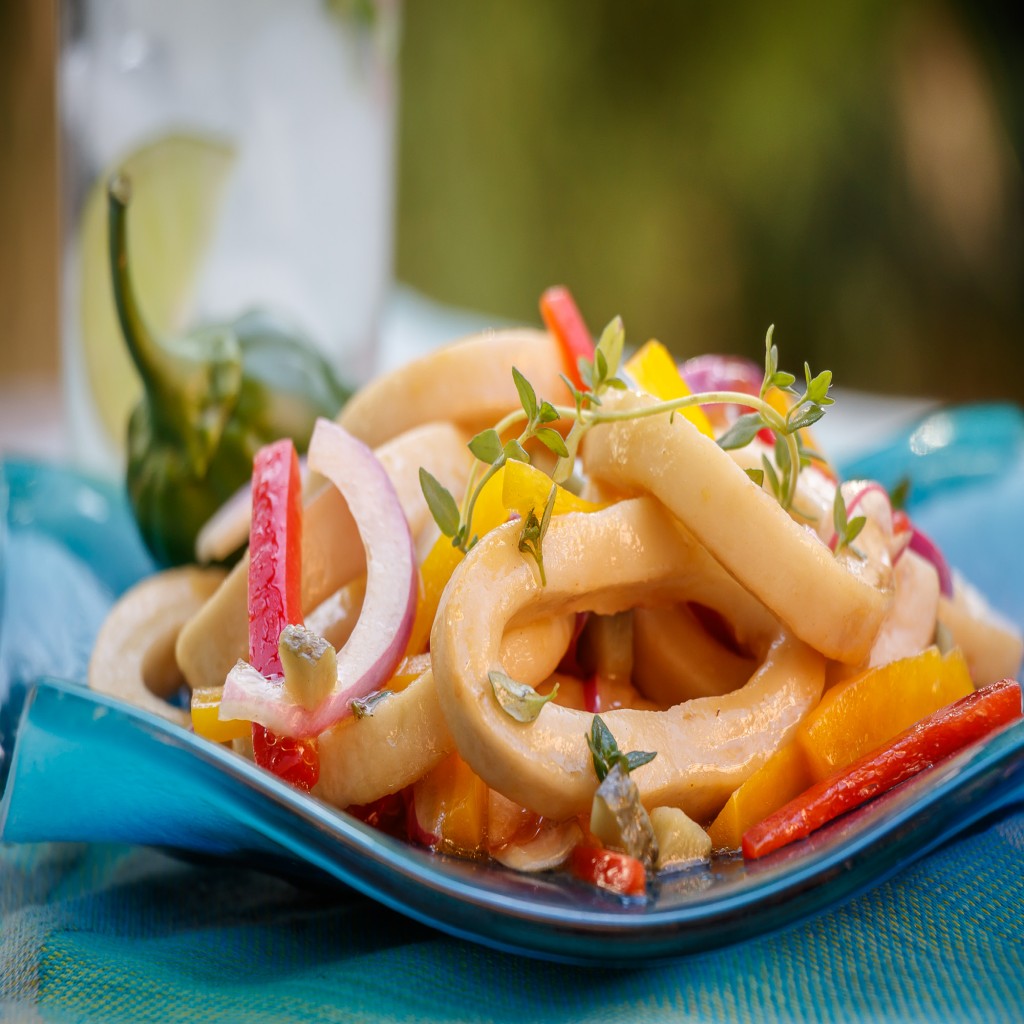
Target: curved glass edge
(221,798)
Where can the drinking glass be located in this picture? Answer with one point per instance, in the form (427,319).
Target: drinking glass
(259,137)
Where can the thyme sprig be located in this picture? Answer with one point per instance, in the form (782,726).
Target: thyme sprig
(599,375)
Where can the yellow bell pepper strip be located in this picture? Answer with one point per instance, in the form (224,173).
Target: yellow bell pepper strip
(654,370)
(854,717)
(436,569)
(934,738)
(275,578)
(563,319)
(450,803)
(205,706)
(524,487)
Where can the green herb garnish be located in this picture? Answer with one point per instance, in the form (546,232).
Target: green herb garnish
(606,751)
(518,700)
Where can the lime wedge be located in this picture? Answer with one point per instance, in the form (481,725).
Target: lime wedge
(177,182)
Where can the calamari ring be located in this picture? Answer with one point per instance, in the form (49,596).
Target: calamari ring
(133,658)
(468,383)
(606,561)
(363,759)
(332,554)
(821,599)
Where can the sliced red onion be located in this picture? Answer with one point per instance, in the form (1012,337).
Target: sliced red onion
(713,372)
(923,545)
(382,631)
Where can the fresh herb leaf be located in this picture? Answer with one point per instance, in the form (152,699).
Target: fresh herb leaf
(527,396)
(899,494)
(772,477)
(517,700)
(757,475)
(742,432)
(553,440)
(531,538)
(364,707)
(548,413)
(442,505)
(486,446)
(515,451)
(610,347)
(606,754)
(846,530)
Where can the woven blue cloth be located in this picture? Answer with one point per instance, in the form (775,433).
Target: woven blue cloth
(120,934)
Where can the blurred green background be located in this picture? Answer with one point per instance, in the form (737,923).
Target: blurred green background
(849,172)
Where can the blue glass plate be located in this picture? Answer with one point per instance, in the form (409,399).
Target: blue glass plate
(82,767)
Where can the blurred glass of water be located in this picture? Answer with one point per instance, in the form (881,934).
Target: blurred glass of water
(259,137)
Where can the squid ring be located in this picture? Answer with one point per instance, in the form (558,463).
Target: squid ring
(607,561)
(468,383)
(827,602)
(363,759)
(133,657)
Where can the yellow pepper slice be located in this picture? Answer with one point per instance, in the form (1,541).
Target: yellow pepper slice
(205,723)
(525,487)
(451,804)
(436,569)
(654,370)
(853,718)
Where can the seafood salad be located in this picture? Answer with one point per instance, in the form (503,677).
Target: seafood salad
(574,606)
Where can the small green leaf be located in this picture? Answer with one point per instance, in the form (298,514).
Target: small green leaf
(486,446)
(804,417)
(549,507)
(443,507)
(600,367)
(782,459)
(757,475)
(617,383)
(853,528)
(548,413)
(517,700)
(839,513)
(586,368)
(515,451)
(603,747)
(527,396)
(553,440)
(638,758)
(364,707)
(606,754)
(610,345)
(742,432)
(772,476)
(900,493)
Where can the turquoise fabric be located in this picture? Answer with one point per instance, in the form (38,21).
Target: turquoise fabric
(122,934)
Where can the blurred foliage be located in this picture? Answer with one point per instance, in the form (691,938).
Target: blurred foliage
(845,171)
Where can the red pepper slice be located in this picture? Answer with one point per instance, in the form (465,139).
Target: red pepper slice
(609,869)
(563,319)
(275,597)
(935,737)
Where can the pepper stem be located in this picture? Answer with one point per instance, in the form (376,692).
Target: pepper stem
(191,389)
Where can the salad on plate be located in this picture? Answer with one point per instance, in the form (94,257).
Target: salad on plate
(570,606)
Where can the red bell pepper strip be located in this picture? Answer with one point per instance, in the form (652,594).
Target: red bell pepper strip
(937,736)
(563,319)
(609,869)
(275,581)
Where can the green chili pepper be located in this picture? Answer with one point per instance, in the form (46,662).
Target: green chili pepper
(211,399)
